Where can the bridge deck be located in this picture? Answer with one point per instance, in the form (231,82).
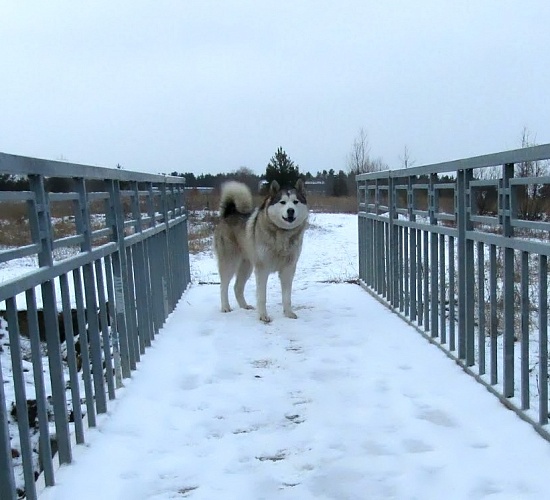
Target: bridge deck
(345,402)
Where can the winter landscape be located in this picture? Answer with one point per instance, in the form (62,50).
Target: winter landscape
(346,402)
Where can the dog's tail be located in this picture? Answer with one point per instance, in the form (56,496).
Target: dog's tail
(236,197)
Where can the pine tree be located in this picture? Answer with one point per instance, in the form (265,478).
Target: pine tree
(282,169)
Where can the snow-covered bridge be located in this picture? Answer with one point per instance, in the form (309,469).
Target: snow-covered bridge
(348,401)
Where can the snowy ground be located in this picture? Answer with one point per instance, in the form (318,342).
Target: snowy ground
(346,402)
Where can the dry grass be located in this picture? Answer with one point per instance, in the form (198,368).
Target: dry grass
(317,203)
(203,215)
(333,204)
(201,230)
(15,231)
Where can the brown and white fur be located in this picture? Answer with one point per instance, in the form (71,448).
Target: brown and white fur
(267,239)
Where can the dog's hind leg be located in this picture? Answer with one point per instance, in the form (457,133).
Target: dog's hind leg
(261,292)
(227,270)
(243,273)
(286,275)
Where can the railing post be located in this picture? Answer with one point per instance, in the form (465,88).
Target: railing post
(115,220)
(434,300)
(506,213)
(141,277)
(460,207)
(469,271)
(393,249)
(84,228)
(7,478)
(167,208)
(543,339)
(49,304)
(361,229)
(413,314)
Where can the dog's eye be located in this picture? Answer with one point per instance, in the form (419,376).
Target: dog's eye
(295,202)
(282,202)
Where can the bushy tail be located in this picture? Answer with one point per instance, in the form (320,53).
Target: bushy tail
(235,198)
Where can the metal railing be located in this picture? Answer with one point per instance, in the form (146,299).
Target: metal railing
(460,251)
(107,262)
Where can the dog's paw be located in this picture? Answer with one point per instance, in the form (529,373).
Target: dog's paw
(226,309)
(265,318)
(291,314)
(248,306)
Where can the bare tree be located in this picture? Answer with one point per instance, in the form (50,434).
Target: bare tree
(358,158)
(406,161)
(359,161)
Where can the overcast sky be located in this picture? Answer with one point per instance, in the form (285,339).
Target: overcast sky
(210,86)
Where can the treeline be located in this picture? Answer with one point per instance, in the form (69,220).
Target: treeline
(335,184)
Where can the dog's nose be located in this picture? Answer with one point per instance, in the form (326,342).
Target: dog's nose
(290,212)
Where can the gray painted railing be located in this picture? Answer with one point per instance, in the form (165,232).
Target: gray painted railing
(97,297)
(455,249)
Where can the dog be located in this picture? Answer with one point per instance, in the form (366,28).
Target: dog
(266,239)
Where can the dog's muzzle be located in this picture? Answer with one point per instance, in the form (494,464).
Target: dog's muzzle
(290,215)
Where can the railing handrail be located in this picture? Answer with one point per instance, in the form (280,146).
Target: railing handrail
(521,155)
(472,278)
(15,165)
(123,275)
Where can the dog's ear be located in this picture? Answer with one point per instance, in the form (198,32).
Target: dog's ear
(300,187)
(274,188)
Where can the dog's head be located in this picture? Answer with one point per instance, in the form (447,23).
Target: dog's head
(287,207)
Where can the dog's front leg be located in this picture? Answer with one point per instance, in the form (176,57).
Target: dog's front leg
(286,276)
(261,292)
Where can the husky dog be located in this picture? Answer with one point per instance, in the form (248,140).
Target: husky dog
(267,239)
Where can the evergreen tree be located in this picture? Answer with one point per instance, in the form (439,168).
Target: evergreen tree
(340,187)
(282,169)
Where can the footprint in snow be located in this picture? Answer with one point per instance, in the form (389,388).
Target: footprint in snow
(436,417)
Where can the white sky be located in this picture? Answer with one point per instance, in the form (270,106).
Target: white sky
(209,86)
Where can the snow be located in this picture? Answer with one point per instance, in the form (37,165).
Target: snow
(346,402)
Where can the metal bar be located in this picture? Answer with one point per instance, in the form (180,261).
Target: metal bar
(83,344)
(111,311)
(20,399)
(524,305)
(71,358)
(133,334)
(543,340)
(481,307)
(494,313)
(452,300)
(400,269)
(534,153)
(7,478)
(393,249)
(49,304)
(104,329)
(426,280)
(19,252)
(94,344)
(442,290)
(13,164)
(115,219)
(460,205)
(16,286)
(419,278)
(141,291)
(434,260)
(45,450)
(509,334)
(406,269)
